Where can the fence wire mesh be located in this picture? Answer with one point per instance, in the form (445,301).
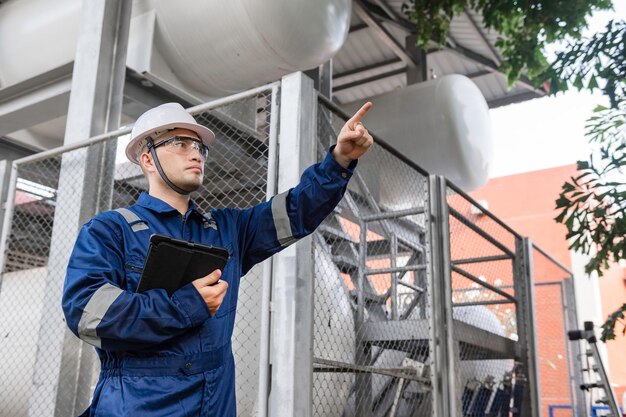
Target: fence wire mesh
(371,340)
(482,254)
(555,351)
(55,195)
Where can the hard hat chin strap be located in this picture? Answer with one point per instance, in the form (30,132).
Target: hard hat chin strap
(173,186)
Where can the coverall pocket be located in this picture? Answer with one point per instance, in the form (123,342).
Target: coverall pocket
(155,396)
(132,270)
(107,399)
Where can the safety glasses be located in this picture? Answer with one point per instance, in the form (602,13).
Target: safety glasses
(184,146)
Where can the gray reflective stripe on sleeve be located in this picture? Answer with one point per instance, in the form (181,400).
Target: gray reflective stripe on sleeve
(281,219)
(95,310)
(139,226)
(131,218)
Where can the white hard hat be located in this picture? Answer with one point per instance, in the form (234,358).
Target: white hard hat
(162,118)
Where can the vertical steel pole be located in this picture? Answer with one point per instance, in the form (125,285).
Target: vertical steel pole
(442,345)
(62,376)
(8,215)
(5,173)
(524,285)
(363,380)
(264,351)
(292,301)
(393,242)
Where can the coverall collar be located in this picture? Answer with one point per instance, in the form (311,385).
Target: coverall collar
(157,205)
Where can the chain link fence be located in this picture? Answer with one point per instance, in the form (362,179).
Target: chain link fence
(44,224)
(371,327)
(374,320)
(559,359)
(484,306)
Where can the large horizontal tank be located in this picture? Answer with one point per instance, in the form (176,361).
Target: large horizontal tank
(442,125)
(201,47)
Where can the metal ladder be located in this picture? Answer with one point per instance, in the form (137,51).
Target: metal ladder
(597,367)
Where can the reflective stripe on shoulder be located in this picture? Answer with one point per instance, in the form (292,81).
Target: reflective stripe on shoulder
(281,219)
(95,310)
(132,219)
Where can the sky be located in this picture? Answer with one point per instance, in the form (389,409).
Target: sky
(547,132)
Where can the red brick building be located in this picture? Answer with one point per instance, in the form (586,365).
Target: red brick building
(526,202)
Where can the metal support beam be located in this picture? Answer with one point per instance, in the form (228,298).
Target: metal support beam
(62,376)
(39,99)
(292,299)
(358,71)
(479,30)
(513,98)
(524,285)
(419,73)
(484,284)
(382,33)
(387,9)
(357,27)
(381,15)
(442,344)
(323,78)
(371,79)
(478,74)
(471,225)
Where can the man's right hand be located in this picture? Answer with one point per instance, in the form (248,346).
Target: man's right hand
(212,290)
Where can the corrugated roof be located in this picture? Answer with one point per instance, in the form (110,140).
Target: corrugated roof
(367,66)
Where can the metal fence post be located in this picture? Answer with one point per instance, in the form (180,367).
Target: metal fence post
(524,285)
(264,350)
(95,107)
(8,206)
(574,348)
(5,173)
(442,359)
(292,300)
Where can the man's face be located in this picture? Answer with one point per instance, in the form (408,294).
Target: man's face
(180,159)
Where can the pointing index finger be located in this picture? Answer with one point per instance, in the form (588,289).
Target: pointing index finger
(360,114)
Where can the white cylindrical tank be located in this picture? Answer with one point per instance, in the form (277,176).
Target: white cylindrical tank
(442,125)
(222,47)
(214,48)
(36,36)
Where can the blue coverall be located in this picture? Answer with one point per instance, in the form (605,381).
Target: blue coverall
(167,356)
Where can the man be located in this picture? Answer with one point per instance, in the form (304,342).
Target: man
(171,356)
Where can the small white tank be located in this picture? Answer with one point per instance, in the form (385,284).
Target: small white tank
(443,125)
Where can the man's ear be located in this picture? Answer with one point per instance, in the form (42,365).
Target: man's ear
(147,162)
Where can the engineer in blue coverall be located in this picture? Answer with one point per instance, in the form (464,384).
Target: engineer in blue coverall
(167,355)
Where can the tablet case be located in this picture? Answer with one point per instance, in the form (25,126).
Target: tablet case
(173,263)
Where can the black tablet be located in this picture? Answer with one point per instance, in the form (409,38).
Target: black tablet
(173,263)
